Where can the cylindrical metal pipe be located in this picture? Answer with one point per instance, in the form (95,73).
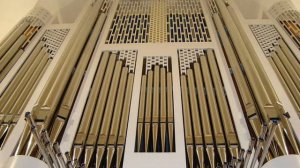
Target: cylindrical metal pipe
(249,152)
(59,155)
(13,37)
(38,140)
(272,130)
(48,144)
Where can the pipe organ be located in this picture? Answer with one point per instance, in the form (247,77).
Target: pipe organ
(138,83)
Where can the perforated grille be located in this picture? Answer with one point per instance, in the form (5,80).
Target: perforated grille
(186,22)
(157,21)
(54,38)
(267,37)
(130,57)
(187,57)
(156,60)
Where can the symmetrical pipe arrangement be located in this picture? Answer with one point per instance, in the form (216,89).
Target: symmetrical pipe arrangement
(209,129)
(256,93)
(12,48)
(155,127)
(54,105)
(103,127)
(287,68)
(17,94)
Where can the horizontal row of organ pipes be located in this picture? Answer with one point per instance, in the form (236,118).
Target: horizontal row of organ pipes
(210,135)
(155,130)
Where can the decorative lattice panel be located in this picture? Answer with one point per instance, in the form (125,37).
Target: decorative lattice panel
(288,18)
(267,37)
(158,21)
(54,38)
(187,57)
(186,22)
(130,57)
(156,60)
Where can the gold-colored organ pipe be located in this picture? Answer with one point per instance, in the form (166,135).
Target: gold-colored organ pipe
(70,95)
(295,92)
(11,64)
(170,111)
(155,108)
(286,76)
(207,132)
(11,52)
(23,96)
(290,56)
(163,108)
(20,107)
(194,108)
(9,102)
(224,109)
(155,115)
(237,72)
(61,79)
(289,68)
(12,38)
(113,134)
(95,124)
(273,110)
(258,65)
(255,81)
(188,132)
(110,78)
(73,41)
(148,109)
(279,111)
(11,87)
(124,120)
(295,101)
(66,62)
(198,141)
(21,92)
(215,118)
(110,111)
(141,111)
(46,105)
(83,129)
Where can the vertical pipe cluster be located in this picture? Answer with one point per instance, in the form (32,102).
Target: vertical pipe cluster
(12,48)
(14,99)
(54,105)
(260,102)
(102,132)
(155,127)
(287,69)
(209,129)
